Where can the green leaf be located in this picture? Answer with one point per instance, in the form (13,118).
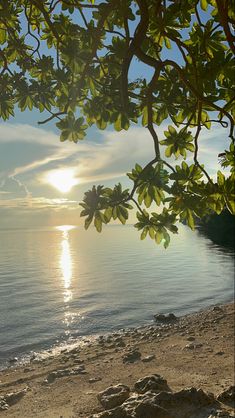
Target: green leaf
(115,213)
(88,222)
(168,151)
(145,116)
(151,232)
(108,213)
(167,42)
(3,36)
(220,178)
(143,233)
(190,219)
(147,200)
(172,130)
(203,4)
(190,147)
(230,203)
(167,240)
(98,223)
(118,123)
(158,237)
(157,196)
(101,124)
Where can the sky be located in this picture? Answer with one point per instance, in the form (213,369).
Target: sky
(32,157)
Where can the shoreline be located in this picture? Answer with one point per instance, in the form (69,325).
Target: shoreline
(195,350)
(22,359)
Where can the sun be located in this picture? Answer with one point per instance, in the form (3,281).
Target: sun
(63,180)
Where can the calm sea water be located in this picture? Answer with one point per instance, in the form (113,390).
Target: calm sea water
(59,284)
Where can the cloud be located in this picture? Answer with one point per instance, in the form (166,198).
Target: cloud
(26,133)
(101,157)
(111,157)
(39,151)
(38,203)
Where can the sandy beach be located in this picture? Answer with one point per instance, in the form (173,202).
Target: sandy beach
(194,351)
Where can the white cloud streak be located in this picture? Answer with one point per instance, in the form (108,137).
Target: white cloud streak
(38,203)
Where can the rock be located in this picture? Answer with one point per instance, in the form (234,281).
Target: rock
(217,309)
(119,342)
(147,359)
(148,409)
(192,396)
(165,318)
(78,361)
(191,338)
(154,382)
(113,396)
(11,398)
(131,356)
(64,372)
(94,379)
(13,360)
(227,396)
(220,414)
(164,404)
(75,350)
(190,346)
(28,369)
(138,406)
(14,397)
(3,405)
(114,413)
(193,346)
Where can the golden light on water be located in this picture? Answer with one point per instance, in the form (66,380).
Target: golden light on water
(66,261)
(65,228)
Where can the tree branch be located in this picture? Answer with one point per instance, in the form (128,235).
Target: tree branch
(223,16)
(137,40)
(151,129)
(196,143)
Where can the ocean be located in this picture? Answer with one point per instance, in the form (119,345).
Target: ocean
(59,285)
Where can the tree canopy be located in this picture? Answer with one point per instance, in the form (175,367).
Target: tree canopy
(73,60)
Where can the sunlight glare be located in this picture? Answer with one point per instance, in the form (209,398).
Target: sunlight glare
(66,261)
(63,180)
(65,228)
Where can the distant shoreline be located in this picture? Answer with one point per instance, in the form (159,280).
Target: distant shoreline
(193,350)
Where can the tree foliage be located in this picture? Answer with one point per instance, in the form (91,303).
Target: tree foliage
(72,59)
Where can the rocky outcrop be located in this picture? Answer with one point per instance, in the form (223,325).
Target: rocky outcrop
(155,383)
(185,397)
(113,396)
(152,398)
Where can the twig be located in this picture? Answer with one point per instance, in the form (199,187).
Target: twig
(53,115)
(196,144)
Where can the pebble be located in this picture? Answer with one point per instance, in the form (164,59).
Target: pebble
(147,359)
(131,356)
(94,379)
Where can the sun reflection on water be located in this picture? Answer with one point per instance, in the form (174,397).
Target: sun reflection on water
(66,261)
